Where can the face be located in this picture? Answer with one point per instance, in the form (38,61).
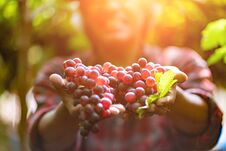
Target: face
(114,26)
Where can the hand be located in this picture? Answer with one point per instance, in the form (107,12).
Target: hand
(60,84)
(164,105)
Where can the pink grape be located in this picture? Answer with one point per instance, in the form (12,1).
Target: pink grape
(130,97)
(77,60)
(142,62)
(69,63)
(127,79)
(145,73)
(150,81)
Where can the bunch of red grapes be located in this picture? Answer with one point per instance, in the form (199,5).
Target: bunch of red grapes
(99,87)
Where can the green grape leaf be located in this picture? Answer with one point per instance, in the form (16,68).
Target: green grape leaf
(217,55)
(164,82)
(214,35)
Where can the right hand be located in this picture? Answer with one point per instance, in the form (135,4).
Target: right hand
(59,83)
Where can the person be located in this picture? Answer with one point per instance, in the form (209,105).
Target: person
(116,30)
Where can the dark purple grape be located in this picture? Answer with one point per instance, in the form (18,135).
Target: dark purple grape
(71,86)
(84,100)
(87,92)
(98,89)
(77,93)
(94,117)
(99,108)
(113,82)
(84,132)
(86,124)
(95,128)
(94,98)
(89,108)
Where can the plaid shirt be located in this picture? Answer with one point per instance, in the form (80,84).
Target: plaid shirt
(153,133)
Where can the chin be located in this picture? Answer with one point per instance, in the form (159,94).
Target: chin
(118,38)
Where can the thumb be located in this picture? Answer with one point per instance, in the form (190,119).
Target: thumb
(179,75)
(57,81)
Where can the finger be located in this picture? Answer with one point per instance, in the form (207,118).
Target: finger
(152,108)
(74,111)
(162,110)
(179,75)
(57,81)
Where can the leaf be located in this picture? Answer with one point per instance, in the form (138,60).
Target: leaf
(151,99)
(165,79)
(164,83)
(214,35)
(217,56)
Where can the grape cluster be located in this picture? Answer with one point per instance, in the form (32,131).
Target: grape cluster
(97,88)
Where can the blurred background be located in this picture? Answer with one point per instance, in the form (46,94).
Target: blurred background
(34,31)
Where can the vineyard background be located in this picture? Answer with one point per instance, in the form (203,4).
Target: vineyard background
(32,32)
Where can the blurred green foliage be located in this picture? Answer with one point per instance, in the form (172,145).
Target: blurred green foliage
(214,37)
(56,30)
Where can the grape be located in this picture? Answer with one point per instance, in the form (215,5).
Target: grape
(97,88)
(114,73)
(71,86)
(101,80)
(160,69)
(79,71)
(143,99)
(142,62)
(69,71)
(139,83)
(94,117)
(77,60)
(127,79)
(120,75)
(84,132)
(69,63)
(93,74)
(89,108)
(84,100)
(106,113)
(150,81)
(106,102)
(137,76)
(136,67)
(145,73)
(94,99)
(122,87)
(77,93)
(111,68)
(90,83)
(134,106)
(87,92)
(106,66)
(140,91)
(95,128)
(99,108)
(130,97)
(86,124)
(149,66)
(109,95)
(113,82)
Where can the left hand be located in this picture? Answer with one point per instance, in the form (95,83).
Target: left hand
(163,105)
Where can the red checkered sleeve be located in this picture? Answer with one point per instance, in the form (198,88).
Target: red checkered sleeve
(46,99)
(199,83)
